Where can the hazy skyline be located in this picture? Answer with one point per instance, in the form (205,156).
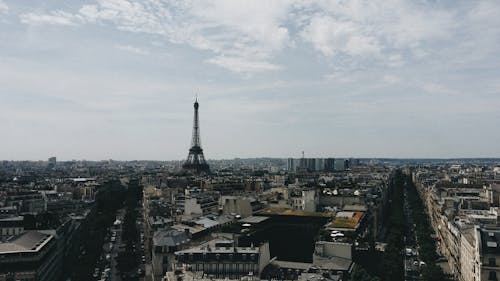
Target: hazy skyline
(117,79)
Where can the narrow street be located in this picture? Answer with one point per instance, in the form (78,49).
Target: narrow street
(411,255)
(115,247)
(117,244)
(106,269)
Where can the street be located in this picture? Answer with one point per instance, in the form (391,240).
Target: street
(411,262)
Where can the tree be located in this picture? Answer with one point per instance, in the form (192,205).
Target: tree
(360,274)
(434,273)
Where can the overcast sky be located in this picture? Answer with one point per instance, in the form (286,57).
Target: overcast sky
(117,79)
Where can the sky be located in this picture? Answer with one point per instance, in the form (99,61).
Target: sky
(116,79)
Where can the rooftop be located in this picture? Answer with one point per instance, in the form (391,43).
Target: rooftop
(286,212)
(349,220)
(170,238)
(292,264)
(212,247)
(13,218)
(31,241)
(196,228)
(254,219)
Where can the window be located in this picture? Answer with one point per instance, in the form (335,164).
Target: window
(492,262)
(493,275)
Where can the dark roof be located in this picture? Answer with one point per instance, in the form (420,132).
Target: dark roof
(170,238)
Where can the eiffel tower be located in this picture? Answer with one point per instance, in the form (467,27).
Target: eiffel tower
(196,161)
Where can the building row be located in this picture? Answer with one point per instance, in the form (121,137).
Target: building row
(463,206)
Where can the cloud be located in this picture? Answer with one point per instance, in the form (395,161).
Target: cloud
(54,18)
(4,9)
(237,64)
(391,79)
(364,28)
(132,49)
(248,36)
(242,36)
(239,42)
(331,36)
(439,89)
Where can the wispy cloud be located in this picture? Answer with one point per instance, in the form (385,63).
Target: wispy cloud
(132,49)
(53,18)
(331,37)
(292,71)
(3,7)
(391,79)
(238,42)
(363,27)
(245,36)
(238,64)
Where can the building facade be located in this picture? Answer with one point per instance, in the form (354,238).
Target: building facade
(221,258)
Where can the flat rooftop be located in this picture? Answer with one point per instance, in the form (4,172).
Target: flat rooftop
(210,247)
(192,229)
(292,264)
(287,212)
(31,241)
(14,218)
(254,219)
(346,220)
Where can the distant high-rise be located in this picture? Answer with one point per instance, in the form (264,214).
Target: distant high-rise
(319,164)
(196,161)
(52,162)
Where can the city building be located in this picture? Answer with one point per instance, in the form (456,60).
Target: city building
(165,243)
(222,258)
(306,200)
(11,226)
(33,255)
(238,205)
(27,202)
(52,162)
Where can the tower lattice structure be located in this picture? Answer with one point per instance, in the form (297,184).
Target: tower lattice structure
(196,160)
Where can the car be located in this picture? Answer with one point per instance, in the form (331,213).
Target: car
(140,272)
(409,252)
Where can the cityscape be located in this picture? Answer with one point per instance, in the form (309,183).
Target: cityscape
(299,166)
